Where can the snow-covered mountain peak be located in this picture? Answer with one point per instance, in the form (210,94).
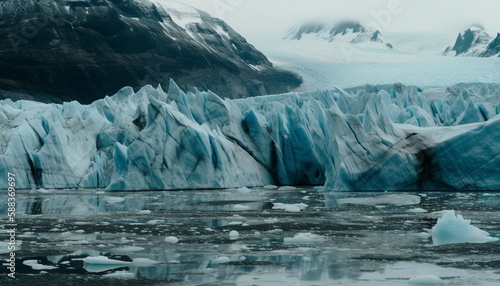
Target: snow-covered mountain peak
(86,49)
(473,42)
(344,32)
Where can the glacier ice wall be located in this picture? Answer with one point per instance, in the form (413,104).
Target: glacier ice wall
(390,137)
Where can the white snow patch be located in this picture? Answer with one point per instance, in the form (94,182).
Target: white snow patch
(221,32)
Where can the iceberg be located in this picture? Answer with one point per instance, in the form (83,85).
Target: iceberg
(391,137)
(452,228)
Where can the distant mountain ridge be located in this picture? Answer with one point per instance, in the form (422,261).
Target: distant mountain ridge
(347,31)
(82,50)
(475,42)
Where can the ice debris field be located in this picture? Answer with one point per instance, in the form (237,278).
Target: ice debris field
(391,137)
(337,238)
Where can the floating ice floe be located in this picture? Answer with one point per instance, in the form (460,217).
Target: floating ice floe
(294,208)
(303,238)
(234,235)
(428,280)
(239,207)
(103,260)
(126,249)
(171,239)
(392,199)
(144,262)
(120,275)
(417,210)
(37,266)
(96,264)
(221,259)
(453,228)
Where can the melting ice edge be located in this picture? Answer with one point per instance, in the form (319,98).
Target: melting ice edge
(391,137)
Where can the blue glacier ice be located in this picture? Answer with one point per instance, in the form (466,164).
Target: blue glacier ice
(453,228)
(391,137)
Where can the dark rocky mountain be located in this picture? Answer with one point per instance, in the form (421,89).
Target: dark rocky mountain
(86,49)
(475,42)
(348,31)
(493,48)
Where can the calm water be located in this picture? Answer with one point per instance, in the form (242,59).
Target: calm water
(284,237)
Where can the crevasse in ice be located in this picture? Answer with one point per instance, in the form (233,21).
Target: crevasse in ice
(392,137)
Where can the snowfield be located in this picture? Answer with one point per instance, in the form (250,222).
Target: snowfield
(391,137)
(417,59)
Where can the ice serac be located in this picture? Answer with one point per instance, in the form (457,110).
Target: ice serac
(391,137)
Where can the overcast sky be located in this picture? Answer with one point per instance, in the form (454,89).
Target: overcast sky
(263,18)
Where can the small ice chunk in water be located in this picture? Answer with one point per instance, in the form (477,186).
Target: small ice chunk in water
(244,190)
(417,211)
(171,239)
(127,249)
(221,259)
(144,262)
(270,187)
(235,223)
(294,208)
(103,260)
(392,199)
(155,221)
(114,200)
(287,188)
(233,235)
(426,280)
(303,238)
(453,228)
(37,266)
(241,208)
(120,275)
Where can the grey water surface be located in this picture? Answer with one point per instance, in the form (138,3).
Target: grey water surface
(261,236)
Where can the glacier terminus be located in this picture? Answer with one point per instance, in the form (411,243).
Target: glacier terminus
(390,137)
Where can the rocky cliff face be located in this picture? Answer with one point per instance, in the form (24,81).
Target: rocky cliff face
(83,50)
(493,48)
